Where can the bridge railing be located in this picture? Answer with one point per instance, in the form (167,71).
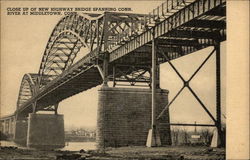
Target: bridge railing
(145,22)
(165,10)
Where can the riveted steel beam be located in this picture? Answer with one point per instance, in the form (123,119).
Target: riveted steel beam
(195,34)
(221,11)
(188,124)
(206,24)
(218,91)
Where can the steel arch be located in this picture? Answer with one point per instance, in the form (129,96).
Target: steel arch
(27,88)
(69,35)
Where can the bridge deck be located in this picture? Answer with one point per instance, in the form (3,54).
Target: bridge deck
(189,29)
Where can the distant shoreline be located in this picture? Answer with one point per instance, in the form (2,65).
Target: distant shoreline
(79,139)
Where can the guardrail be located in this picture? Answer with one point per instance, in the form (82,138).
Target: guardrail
(165,10)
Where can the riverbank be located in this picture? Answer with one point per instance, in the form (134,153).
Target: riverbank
(123,153)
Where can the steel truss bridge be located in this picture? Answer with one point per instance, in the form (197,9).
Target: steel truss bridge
(118,47)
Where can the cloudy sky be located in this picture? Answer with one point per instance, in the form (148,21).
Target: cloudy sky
(23,42)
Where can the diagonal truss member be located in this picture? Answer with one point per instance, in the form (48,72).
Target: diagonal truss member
(217,120)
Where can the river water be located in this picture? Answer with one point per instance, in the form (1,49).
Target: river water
(70,146)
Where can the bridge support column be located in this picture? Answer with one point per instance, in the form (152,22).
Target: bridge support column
(20,131)
(217,137)
(45,131)
(124,116)
(12,128)
(4,127)
(153,138)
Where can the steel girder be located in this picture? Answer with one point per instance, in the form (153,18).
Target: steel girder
(132,74)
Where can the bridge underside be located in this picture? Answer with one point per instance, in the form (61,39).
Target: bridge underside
(69,85)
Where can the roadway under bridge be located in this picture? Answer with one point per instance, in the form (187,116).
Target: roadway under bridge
(123,48)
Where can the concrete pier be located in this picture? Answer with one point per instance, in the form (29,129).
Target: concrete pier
(20,133)
(45,131)
(124,116)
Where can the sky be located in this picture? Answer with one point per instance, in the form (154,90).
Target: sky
(24,40)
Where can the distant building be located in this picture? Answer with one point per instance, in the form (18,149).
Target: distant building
(81,132)
(195,139)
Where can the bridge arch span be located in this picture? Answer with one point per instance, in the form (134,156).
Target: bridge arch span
(27,88)
(71,34)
